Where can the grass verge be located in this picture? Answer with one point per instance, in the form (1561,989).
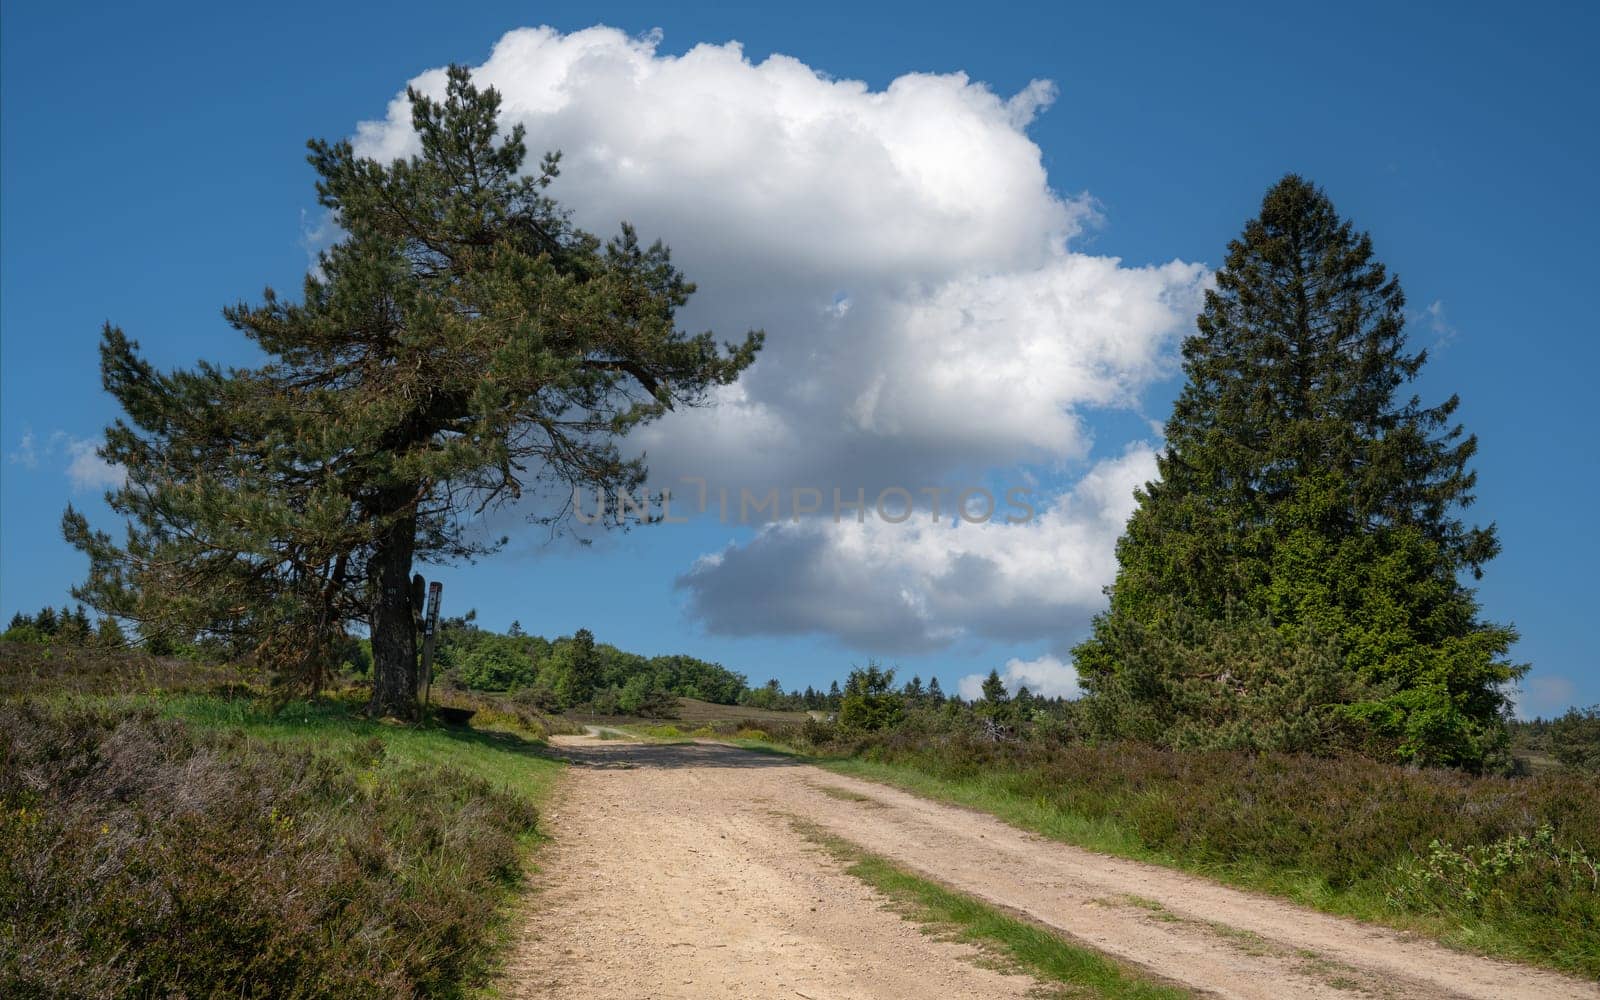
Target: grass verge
(1516,898)
(1017,945)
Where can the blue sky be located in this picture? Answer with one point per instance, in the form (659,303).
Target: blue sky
(152,171)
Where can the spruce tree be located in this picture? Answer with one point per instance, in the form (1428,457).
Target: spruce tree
(462,345)
(1304,486)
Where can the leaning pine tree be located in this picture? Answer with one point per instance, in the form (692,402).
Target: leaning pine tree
(464,343)
(1293,578)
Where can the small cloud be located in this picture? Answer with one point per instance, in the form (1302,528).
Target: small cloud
(26,454)
(85,468)
(88,471)
(316,235)
(1544,696)
(1443,331)
(1047,676)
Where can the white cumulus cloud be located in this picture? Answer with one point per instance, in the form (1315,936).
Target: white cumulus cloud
(1048,676)
(918,585)
(903,249)
(88,471)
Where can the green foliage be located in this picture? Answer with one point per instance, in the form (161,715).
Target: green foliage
(575,669)
(641,696)
(994,689)
(67,627)
(1238,683)
(1299,488)
(462,345)
(870,703)
(498,663)
(609,680)
(1548,889)
(1575,738)
(768,696)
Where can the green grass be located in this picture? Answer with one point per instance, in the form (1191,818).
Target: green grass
(506,760)
(1017,944)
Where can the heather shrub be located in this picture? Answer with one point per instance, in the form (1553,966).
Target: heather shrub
(140,856)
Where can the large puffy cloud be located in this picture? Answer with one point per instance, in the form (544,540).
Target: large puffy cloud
(919,585)
(902,248)
(928,321)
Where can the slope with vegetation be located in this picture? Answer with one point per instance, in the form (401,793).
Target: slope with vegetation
(1507,864)
(167,831)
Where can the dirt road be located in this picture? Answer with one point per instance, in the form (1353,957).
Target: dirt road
(677,871)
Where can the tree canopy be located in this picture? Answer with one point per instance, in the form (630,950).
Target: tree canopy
(463,345)
(1303,489)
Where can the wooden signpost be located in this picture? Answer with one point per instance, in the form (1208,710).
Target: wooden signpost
(430,631)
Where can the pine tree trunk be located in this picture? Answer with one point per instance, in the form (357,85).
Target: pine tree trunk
(394,637)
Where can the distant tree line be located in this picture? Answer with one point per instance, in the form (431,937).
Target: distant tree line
(576,672)
(67,627)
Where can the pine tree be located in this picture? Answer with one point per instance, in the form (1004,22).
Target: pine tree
(1301,487)
(463,344)
(994,689)
(1024,702)
(870,701)
(582,670)
(935,692)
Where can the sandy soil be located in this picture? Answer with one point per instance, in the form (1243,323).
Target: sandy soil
(677,871)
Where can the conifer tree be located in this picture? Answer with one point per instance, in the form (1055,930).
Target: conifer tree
(994,689)
(462,345)
(1303,486)
(935,692)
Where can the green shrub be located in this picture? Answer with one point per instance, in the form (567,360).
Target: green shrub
(142,857)
(1547,889)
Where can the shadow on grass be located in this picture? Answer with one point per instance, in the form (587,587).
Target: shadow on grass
(673,755)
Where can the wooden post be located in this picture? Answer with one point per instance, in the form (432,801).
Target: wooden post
(430,632)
